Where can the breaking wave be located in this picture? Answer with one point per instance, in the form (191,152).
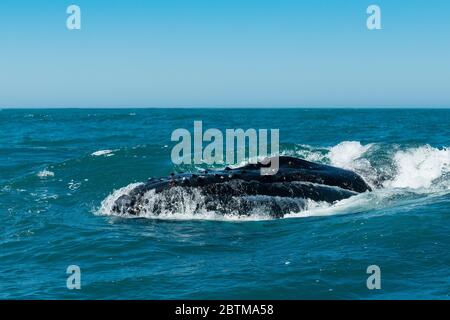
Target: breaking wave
(397,175)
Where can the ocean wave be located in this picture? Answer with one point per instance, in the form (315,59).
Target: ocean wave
(397,175)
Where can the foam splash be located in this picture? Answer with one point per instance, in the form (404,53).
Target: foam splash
(413,173)
(420,167)
(106,207)
(347,154)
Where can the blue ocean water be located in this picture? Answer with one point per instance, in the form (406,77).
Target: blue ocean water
(58,169)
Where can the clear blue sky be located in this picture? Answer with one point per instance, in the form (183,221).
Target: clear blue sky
(170,53)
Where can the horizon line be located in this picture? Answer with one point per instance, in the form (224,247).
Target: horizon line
(225,107)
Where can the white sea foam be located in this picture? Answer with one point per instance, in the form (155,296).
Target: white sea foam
(345,153)
(45,174)
(358,203)
(102,153)
(73,185)
(419,167)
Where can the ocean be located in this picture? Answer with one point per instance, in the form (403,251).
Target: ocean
(60,169)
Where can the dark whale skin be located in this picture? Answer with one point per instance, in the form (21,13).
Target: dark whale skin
(236,188)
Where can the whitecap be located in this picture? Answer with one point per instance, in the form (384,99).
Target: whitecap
(103,153)
(45,174)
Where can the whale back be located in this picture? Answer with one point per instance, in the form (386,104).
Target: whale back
(295,179)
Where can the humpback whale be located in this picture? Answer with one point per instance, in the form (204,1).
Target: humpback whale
(243,190)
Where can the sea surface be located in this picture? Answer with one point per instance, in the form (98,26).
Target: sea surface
(60,169)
